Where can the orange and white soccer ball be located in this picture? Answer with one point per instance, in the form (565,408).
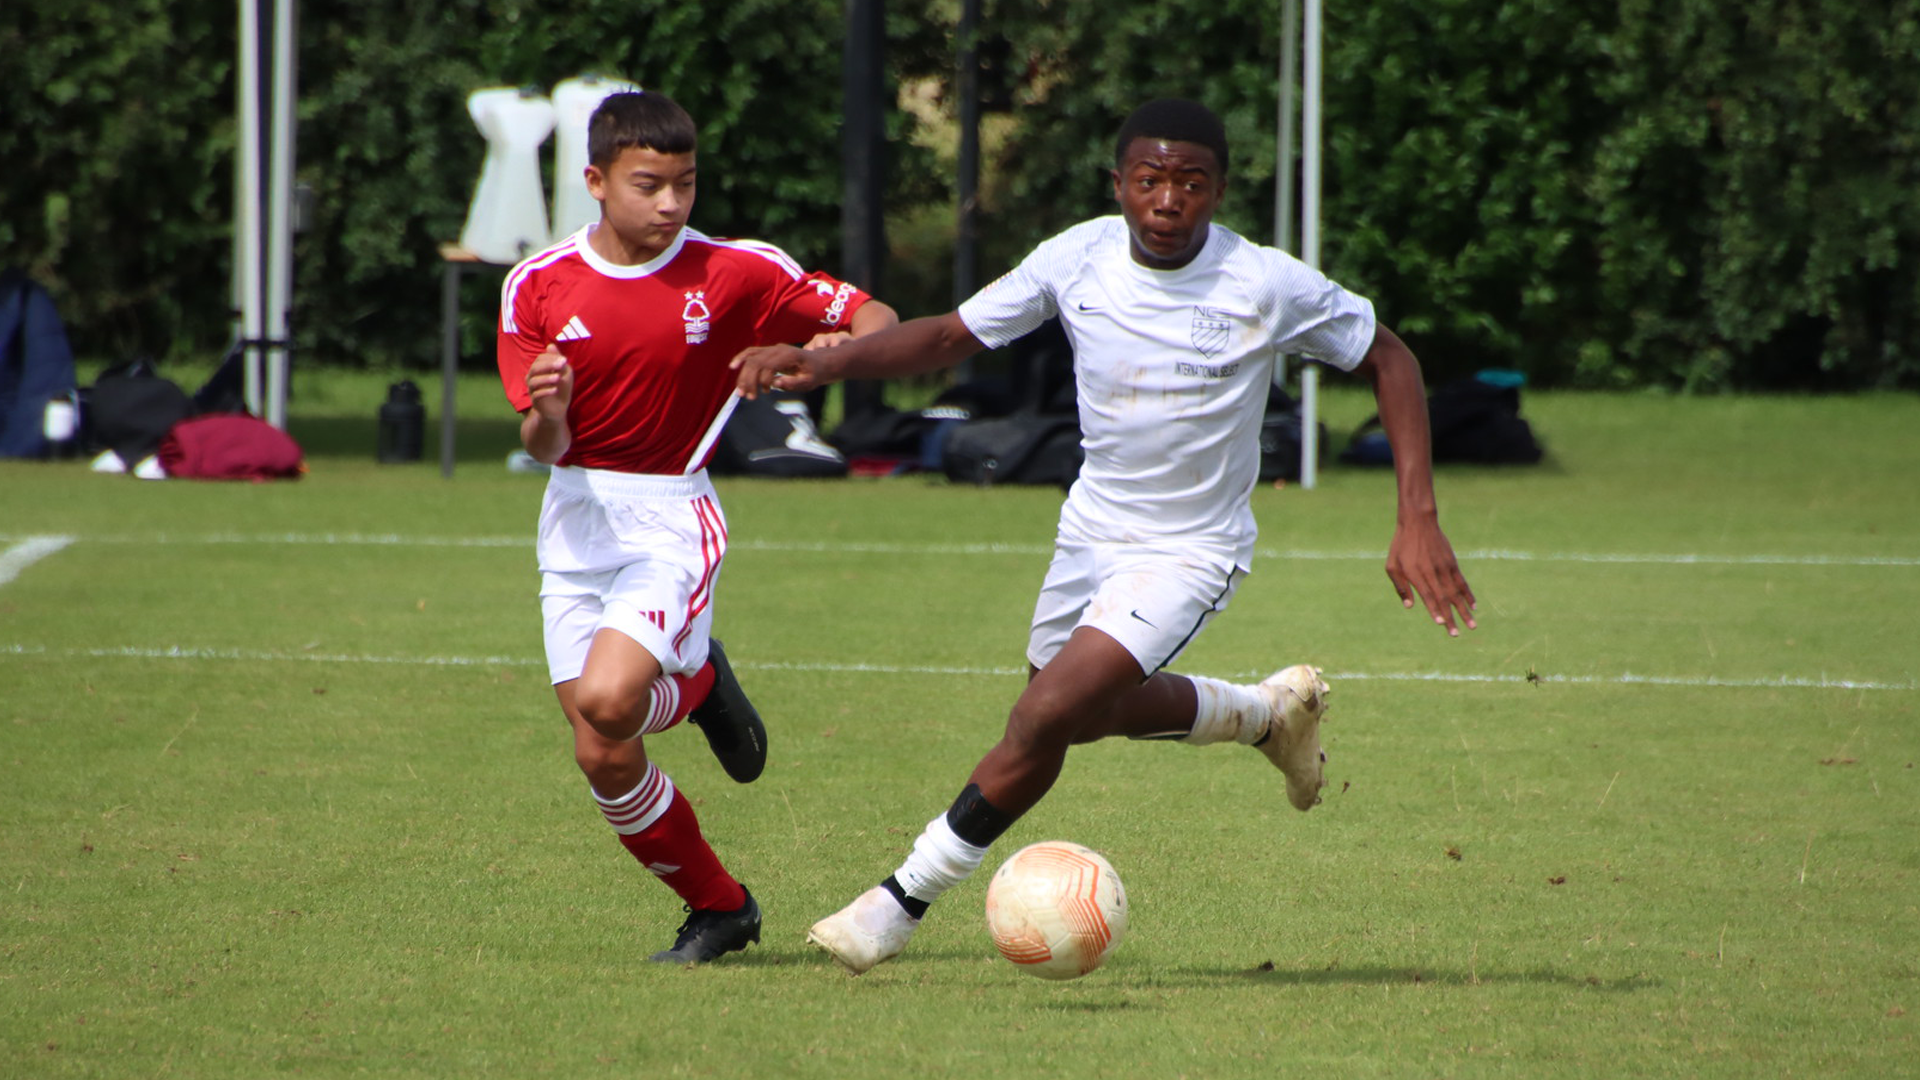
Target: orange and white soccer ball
(1056,909)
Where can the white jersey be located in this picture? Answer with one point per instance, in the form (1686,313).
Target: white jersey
(1171,369)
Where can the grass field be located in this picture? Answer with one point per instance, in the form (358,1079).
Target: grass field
(283,791)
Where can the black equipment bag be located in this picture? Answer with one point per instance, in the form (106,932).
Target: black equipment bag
(1280,437)
(881,432)
(131,409)
(1478,421)
(1020,449)
(773,435)
(1474,421)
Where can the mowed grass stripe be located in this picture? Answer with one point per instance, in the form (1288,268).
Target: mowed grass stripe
(855,547)
(1784,682)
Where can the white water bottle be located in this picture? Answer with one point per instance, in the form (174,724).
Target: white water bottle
(60,425)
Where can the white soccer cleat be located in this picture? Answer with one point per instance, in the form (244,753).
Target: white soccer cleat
(1298,698)
(871,929)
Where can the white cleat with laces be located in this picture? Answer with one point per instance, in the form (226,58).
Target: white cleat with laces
(1298,698)
(871,929)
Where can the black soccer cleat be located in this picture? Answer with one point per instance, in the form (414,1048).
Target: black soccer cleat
(730,722)
(707,935)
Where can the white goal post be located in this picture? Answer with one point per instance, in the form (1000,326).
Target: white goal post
(1293,41)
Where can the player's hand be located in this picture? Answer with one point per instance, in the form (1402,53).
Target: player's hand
(778,367)
(550,382)
(1421,561)
(828,340)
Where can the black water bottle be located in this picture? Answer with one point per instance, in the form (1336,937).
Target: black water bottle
(403,424)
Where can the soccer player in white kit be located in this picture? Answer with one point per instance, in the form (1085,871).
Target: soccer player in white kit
(613,346)
(1176,325)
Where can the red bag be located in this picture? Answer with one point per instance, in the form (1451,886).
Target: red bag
(230,446)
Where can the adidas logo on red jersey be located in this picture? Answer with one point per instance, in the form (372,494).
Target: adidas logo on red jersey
(575,330)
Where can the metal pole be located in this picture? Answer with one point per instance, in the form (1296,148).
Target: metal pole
(449,359)
(863,149)
(1283,194)
(247,197)
(1310,237)
(279,253)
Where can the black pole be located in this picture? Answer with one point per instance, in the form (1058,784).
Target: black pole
(863,148)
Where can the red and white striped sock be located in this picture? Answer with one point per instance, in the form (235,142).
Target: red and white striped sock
(657,826)
(673,697)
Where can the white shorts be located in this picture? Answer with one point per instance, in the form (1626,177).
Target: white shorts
(637,554)
(1152,601)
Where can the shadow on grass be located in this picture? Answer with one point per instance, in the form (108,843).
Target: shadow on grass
(811,960)
(1418,976)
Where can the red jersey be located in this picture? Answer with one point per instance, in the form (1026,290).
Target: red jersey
(649,345)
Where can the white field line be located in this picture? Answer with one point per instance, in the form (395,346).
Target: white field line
(864,548)
(26,551)
(1624,679)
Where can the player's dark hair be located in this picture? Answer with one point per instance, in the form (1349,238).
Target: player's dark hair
(640,119)
(1176,120)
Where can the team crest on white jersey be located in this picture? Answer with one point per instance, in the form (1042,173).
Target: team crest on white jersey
(698,318)
(1211,329)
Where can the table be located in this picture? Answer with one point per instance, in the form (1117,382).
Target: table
(456,263)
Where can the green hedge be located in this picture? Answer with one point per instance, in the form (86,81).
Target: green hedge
(121,136)
(1684,193)
(1678,194)
(117,149)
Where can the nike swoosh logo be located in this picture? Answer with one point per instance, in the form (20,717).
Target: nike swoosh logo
(1085,307)
(1136,614)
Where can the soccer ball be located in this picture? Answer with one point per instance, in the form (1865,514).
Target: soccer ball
(1056,909)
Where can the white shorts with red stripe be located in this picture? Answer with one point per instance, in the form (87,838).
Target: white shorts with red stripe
(632,553)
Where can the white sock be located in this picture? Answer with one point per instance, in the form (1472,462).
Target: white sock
(663,701)
(940,860)
(1226,711)
(633,812)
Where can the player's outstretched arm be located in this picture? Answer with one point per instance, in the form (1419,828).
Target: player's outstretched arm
(913,347)
(1420,560)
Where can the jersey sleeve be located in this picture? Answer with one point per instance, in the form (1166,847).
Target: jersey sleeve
(805,304)
(1310,315)
(519,341)
(1026,296)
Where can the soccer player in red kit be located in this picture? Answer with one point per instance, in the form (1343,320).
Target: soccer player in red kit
(614,345)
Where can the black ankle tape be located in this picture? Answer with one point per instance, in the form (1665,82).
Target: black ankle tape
(975,820)
(913,907)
